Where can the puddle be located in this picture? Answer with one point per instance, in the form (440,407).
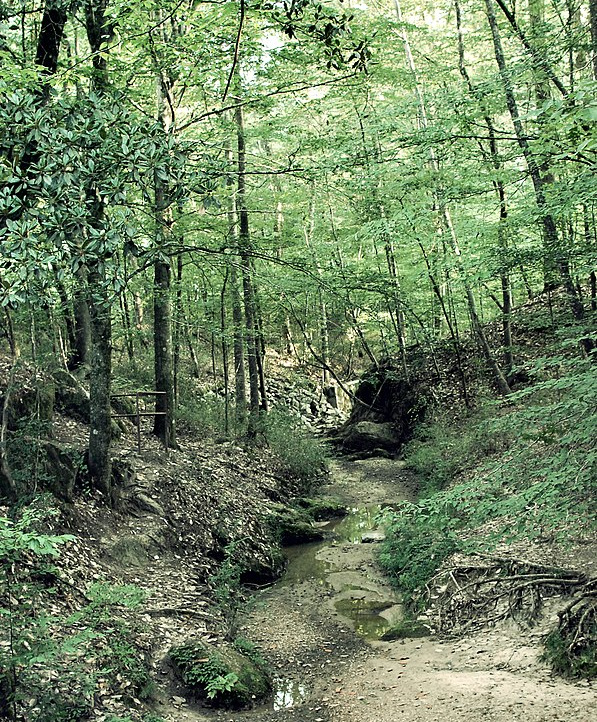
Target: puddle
(371,619)
(303,564)
(287,693)
(359,600)
(357,522)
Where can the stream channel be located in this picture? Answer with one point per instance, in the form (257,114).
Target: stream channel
(333,602)
(320,629)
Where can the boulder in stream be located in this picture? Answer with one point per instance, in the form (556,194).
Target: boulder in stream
(369,435)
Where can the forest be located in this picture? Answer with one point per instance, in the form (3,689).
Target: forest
(263,262)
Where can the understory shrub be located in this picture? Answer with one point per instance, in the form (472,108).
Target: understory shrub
(302,455)
(541,484)
(442,450)
(572,655)
(205,415)
(418,540)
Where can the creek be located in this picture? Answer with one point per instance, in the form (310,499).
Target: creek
(333,589)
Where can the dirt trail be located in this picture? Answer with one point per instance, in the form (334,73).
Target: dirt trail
(331,674)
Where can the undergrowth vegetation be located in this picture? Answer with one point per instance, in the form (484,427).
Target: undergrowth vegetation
(58,651)
(524,468)
(302,455)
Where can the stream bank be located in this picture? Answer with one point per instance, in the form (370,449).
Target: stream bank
(328,659)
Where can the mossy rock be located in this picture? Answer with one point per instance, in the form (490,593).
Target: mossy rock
(406,629)
(293,526)
(223,676)
(323,509)
(262,569)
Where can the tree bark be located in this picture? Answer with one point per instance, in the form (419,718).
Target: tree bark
(247,280)
(238,336)
(98,294)
(593,18)
(164,426)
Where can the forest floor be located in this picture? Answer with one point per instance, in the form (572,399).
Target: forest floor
(327,672)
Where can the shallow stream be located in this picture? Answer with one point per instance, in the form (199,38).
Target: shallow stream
(367,606)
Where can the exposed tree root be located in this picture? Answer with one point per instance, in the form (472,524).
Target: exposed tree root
(482,590)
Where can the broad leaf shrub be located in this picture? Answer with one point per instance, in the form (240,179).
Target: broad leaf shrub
(541,484)
(440,450)
(418,540)
(53,660)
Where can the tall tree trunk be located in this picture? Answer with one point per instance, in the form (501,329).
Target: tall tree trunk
(238,340)
(493,159)
(550,232)
(593,20)
(164,426)
(247,279)
(98,298)
(323,327)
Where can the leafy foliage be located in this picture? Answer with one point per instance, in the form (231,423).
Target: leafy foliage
(224,676)
(537,481)
(52,661)
(302,455)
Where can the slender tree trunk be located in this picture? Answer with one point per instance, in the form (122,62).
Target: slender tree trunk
(238,340)
(179,317)
(247,279)
(550,233)
(8,488)
(224,350)
(99,463)
(593,20)
(324,336)
(261,349)
(80,355)
(494,158)
(163,426)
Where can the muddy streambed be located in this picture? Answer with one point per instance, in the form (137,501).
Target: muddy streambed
(321,627)
(358,598)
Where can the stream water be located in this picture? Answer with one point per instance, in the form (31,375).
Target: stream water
(368,607)
(355,596)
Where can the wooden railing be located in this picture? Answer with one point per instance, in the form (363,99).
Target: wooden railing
(141,412)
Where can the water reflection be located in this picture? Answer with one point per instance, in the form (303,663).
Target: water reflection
(287,693)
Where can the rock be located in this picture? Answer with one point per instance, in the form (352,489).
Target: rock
(293,526)
(60,467)
(369,435)
(72,398)
(132,551)
(373,537)
(146,504)
(323,509)
(222,675)
(34,401)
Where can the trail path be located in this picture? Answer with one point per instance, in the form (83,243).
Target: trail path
(329,673)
